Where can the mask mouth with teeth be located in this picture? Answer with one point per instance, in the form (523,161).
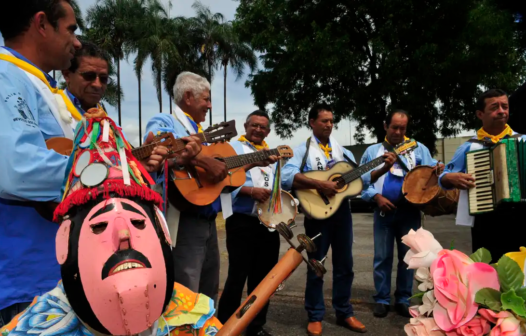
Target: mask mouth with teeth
(117,274)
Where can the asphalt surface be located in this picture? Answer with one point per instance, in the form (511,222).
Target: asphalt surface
(287,316)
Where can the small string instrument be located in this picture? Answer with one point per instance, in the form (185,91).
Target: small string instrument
(193,185)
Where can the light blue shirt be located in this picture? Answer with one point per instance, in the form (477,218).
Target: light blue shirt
(242,203)
(29,172)
(392,188)
(292,167)
(166,123)
(458,162)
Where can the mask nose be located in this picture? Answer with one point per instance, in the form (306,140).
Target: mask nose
(121,234)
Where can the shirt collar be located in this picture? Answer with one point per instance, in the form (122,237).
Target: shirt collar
(49,78)
(75,102)
(319,142)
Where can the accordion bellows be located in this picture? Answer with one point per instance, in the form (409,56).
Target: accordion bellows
(500,176)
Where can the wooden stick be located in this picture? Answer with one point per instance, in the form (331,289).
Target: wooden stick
(261,295)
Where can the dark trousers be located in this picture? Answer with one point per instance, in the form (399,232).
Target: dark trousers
(196,255)
(252,253)
(391,227)
(336,232)
(499,232)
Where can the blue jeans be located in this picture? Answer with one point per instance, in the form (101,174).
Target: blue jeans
(393,226)
(336,232)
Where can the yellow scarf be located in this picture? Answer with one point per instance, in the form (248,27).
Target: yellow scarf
(199,127)
(36,72)
(405,139)
(258,147)
(327,149)
(482,134)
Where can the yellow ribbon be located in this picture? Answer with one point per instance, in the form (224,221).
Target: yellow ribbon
(258,147)
(405,139)
(326,149)
(40,75)
(482,134)
(199,127)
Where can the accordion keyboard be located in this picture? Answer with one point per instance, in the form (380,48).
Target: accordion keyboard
(479,165)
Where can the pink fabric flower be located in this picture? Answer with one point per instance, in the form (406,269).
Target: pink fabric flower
(457,280)
(423,246)
(478,326)
(506,323)
(422,327)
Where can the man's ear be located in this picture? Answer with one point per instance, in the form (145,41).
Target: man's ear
(479,114)
(40,23)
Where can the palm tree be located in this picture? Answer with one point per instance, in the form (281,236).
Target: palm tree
(235,53)
(110,26)
(209,29)
(147,40)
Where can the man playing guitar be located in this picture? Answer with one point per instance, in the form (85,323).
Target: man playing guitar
(252,249)
(394,217)
(320,152)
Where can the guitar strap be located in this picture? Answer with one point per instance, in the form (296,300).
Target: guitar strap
(304,161)
(390,148)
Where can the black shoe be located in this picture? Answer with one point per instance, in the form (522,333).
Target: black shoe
(381,310)
(402,310)
(257,332)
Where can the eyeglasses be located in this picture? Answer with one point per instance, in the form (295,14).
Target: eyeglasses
(91,76)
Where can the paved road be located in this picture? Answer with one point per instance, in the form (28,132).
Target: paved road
(287,316)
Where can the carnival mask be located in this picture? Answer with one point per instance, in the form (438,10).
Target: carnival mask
(116,264)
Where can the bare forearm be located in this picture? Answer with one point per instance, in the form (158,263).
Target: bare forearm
(446,183)
(247,191)
(303,182)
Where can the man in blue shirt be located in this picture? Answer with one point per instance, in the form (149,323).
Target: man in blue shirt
(323,151)
(39,37)
(492,230)
(394,217)
(253,250)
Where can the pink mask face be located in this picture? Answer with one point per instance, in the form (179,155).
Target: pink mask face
(122,266)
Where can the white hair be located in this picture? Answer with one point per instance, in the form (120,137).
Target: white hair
(189,81)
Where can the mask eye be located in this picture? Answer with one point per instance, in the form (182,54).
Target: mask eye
(99,227)
(139,223)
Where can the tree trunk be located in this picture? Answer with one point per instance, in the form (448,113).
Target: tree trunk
(160,93)
(140,112)
(210,80)
(119,90)
(226,66)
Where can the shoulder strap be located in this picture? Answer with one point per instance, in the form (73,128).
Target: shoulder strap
(353,164)
(398,159)
(304,161)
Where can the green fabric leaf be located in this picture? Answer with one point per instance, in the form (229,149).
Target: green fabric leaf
(510,301)
(490,298)
(417,295)
(510,274)
(521,292)
(481,255)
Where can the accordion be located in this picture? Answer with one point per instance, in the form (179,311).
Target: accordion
(500,176)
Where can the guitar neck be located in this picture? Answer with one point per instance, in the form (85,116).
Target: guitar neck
(145,151)
(356,173)
(244,159)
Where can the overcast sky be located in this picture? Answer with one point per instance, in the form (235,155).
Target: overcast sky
(239,99)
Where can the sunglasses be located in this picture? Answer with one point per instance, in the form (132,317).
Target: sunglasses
(91,76)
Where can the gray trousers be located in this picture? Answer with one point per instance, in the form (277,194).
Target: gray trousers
(196,255)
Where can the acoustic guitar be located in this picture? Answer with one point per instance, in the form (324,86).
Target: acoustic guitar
(193,185)
(350,184)
(216,133)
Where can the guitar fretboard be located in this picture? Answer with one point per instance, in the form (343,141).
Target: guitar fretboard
(145,151)
(356,173)
(244,159)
